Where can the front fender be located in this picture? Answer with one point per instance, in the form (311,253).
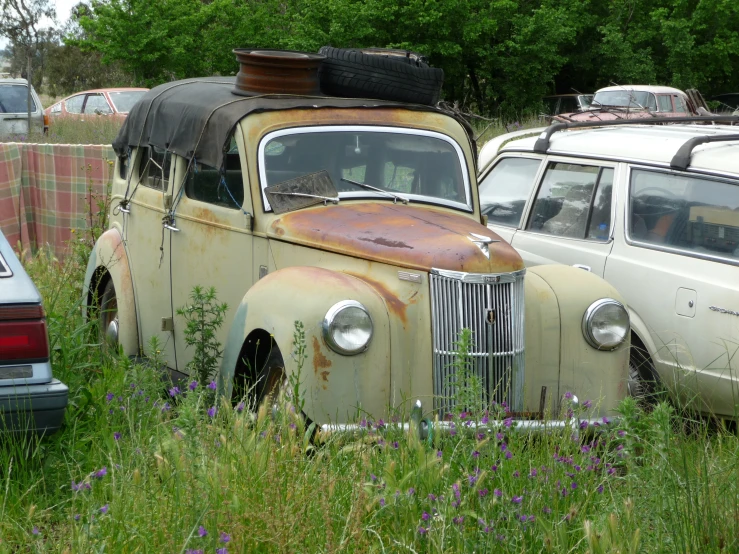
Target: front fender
(597,375)
(109,256)
(336,387)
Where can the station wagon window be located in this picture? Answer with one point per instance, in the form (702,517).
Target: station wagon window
(680,104)
(506,189)
(96,103)
(695,214)
(208,184)
(574,201)
(665,102)
(422,166)
(154,167)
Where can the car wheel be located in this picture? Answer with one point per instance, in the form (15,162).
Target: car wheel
(108,315)
(643,381)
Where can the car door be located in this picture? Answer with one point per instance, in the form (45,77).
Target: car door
(213,243)
(505,191)
(677,267)
(96,104)
(570,218)
(148,248)
(74,104)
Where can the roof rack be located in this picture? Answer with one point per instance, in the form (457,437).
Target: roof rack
(542,143)
(681,160)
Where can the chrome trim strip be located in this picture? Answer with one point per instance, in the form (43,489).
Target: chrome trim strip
(412,277)
(482,278)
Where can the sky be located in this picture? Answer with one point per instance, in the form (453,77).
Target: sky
(63,8)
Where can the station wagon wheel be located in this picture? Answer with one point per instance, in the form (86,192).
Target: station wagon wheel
(108,316)
(643,382)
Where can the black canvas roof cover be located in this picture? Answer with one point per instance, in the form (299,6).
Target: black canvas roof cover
(195,117)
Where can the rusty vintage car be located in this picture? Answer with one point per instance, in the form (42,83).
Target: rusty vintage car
(359,218)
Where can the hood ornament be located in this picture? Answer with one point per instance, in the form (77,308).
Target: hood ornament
(482,243)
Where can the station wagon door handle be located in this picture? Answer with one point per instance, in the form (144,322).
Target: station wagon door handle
(581,266)
(171,228)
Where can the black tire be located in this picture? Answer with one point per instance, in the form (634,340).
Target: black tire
(108,315)
(354,74)
(644,383)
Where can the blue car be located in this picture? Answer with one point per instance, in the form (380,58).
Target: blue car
(31,400)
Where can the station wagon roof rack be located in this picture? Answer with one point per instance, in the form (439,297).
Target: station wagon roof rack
(681,160)
(542,143)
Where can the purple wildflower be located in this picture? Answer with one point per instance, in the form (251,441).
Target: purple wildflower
(606,420)
(212,411)
(439,453)
(621,433)
(174,391)
(100,473)
(411,491)
(585,448)
(76,517)
(498,493)
(494,467)
(395,445)
(455,488)
(546,510)
(600,489)
(240,407)
(422,530)
(508,421)
(583,424)
(104,509)
(480,436)
(508,455)
(485,419)
(517,499)
(109,397)
(459,520)
(223,550)
(380,424)
(483,493)
(225,537)
(166,407)
(194,551)
(568,395)
(533,472)
(425,516)
(117,435)
(475,454)
(463,415)
(193,385)
(35,530)
(472,479)
(516,473)
(573,486)
(432,497)
(212,385)
(587,404)
(202,532)
(382,502)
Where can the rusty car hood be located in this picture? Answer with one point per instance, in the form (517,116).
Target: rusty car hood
(407,236)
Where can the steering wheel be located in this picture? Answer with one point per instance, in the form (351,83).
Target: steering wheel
(666,192)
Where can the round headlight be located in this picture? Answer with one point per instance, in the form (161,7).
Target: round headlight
(347,327)
(605,324)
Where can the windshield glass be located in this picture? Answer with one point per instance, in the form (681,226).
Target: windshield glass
(124,100)
(625,99)
(14,99)
(417,166)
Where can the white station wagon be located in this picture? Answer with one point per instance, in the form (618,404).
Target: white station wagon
(655,211)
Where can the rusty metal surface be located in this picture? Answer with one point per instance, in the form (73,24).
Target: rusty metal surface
(277,71)
(415,237)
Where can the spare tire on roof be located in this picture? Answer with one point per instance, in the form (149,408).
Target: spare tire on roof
(396,75)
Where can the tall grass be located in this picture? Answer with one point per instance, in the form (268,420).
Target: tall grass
(92,130)
(142,466)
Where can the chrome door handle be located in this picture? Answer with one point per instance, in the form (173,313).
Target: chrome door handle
(171,228)
(581,266)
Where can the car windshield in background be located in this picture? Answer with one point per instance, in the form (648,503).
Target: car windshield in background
(14,99)
(413,166)
(125,100)
(625,99)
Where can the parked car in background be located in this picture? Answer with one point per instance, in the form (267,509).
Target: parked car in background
(566,103)
(114,102)
(357,217)
(634,102)
(30,398)
(655,211)
(14,110)
(727,103)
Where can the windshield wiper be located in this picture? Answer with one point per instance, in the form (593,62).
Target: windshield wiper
(325,199)
(395,197)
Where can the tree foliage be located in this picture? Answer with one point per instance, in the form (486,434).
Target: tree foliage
(497,55)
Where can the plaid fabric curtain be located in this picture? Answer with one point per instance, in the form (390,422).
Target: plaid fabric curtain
(45,190)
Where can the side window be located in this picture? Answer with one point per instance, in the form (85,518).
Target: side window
(154,167)
(680,106)
(97,104)
(665,102)
(506,189)
(207,184)
(74,104)
(690,213)
(574,201)
(651,103)
(56,109)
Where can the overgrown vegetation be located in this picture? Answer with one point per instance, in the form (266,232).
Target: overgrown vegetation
(498,57)
(141,466)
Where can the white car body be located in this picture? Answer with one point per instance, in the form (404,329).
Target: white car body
(607,199)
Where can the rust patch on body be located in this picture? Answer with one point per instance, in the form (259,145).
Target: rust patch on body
(431,238)
(319,360)
(389,243)
(394,304)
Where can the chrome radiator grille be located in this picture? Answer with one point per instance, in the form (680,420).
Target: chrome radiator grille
(492,308)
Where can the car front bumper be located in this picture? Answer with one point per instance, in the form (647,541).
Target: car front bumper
(33,408)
